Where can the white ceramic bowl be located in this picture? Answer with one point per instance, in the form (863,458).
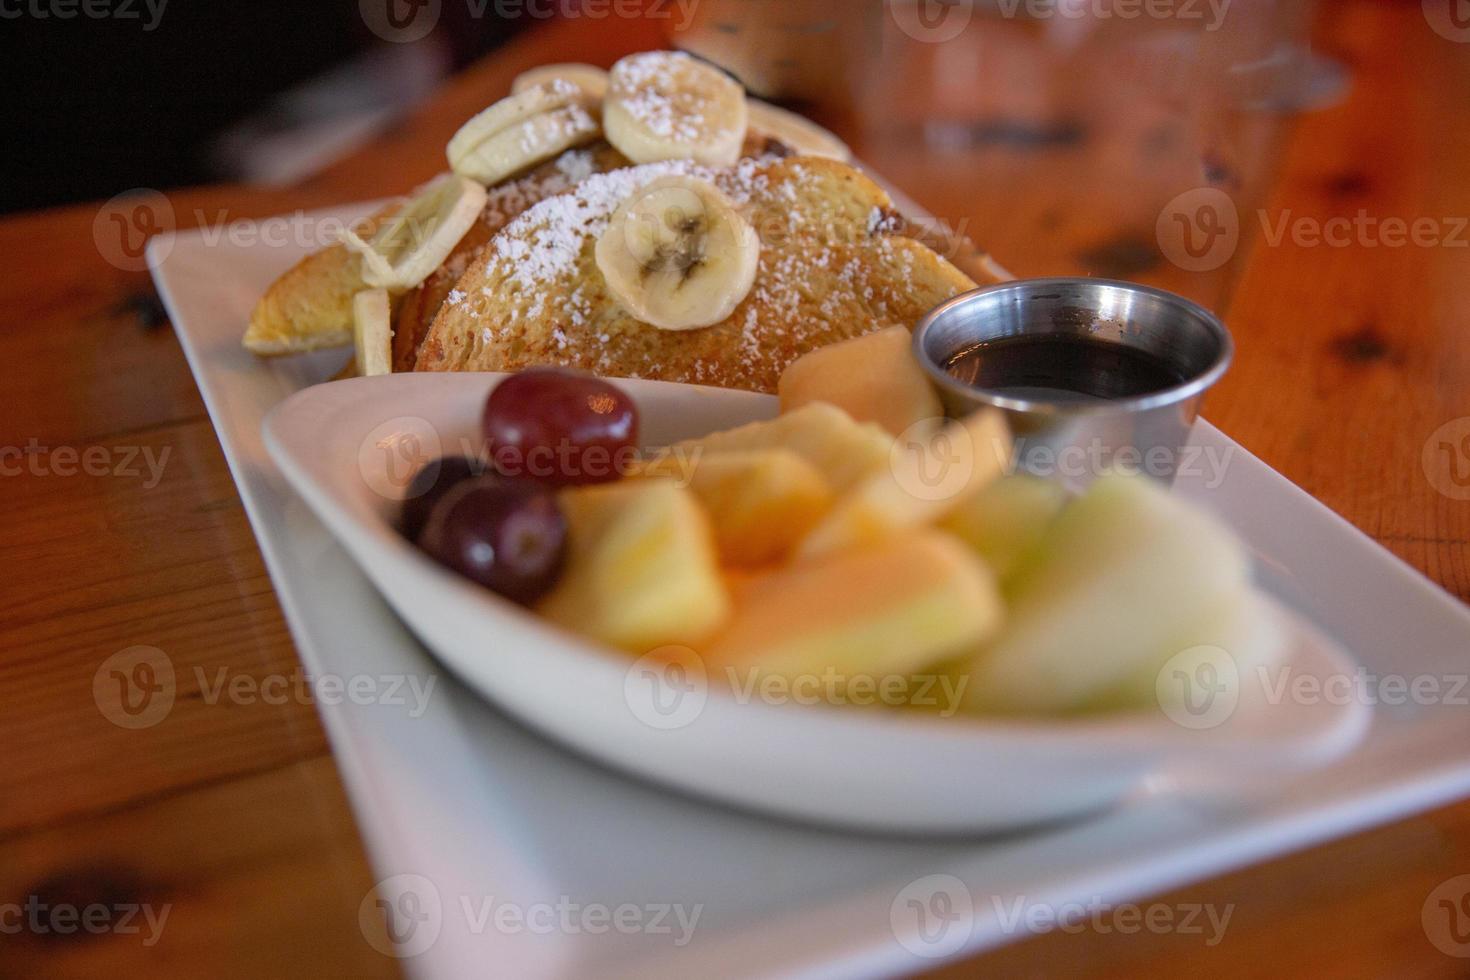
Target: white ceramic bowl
(348,449)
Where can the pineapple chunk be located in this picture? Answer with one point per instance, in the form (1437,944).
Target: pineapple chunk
(1005,521)
(874,378)
(843,451)
(928,478)
(641,569)
(891,610)
(760,501)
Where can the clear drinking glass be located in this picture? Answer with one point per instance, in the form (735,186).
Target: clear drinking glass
(1128,139)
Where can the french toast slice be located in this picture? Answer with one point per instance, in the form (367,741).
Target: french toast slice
(310,307)
(834,264)
(415,315)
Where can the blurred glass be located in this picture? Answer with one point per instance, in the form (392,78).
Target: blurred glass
(813,51)
(1125,138)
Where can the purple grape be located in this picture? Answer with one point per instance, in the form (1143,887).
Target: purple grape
(509,536)
(429,485)
(560,427)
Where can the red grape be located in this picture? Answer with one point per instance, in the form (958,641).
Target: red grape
(430,484)
(560,427)
(508,536)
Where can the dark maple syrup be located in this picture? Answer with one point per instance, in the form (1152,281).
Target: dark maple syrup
(1062,367)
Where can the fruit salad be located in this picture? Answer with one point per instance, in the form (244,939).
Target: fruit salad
(859,535)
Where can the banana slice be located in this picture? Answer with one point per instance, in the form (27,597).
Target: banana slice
(589,78)
(678,255)
(522,130)
(665,105)
(372,332)
(797,132)
(419,237)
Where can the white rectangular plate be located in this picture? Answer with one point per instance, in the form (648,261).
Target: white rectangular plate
(491,815)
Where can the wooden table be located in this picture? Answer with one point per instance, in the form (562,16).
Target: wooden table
(233,815)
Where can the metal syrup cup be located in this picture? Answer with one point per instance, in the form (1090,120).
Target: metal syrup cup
(1066,439)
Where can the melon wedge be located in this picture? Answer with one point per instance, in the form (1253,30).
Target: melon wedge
(1006,521)
(928,477)
(1242,628)
(843,451)
(887,611)
(874,378)
(1125,571)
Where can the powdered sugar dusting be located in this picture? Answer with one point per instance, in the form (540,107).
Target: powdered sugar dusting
(546,242)
(506,201)
(651,86)
(825,273)
(554,130)
(563,88)
(576,165)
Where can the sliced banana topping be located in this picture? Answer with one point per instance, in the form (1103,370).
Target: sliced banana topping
(797,132)
(522,130)
(372,332)
(664,105)
(419,237)
(678,255)
(589,78)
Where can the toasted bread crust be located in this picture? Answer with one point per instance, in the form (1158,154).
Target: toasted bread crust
(310,307)
(833,265)
(958,249)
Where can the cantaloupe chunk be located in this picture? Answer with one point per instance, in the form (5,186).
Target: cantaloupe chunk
(760,501)
(927,478)
(641,567)
(1124,573)
(873,378)
(890,610)
(843,451)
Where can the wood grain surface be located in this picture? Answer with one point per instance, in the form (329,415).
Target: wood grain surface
(1351,358)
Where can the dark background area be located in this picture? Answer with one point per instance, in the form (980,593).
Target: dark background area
(103,104)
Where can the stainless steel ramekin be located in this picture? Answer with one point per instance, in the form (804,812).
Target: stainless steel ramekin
(1063,438)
